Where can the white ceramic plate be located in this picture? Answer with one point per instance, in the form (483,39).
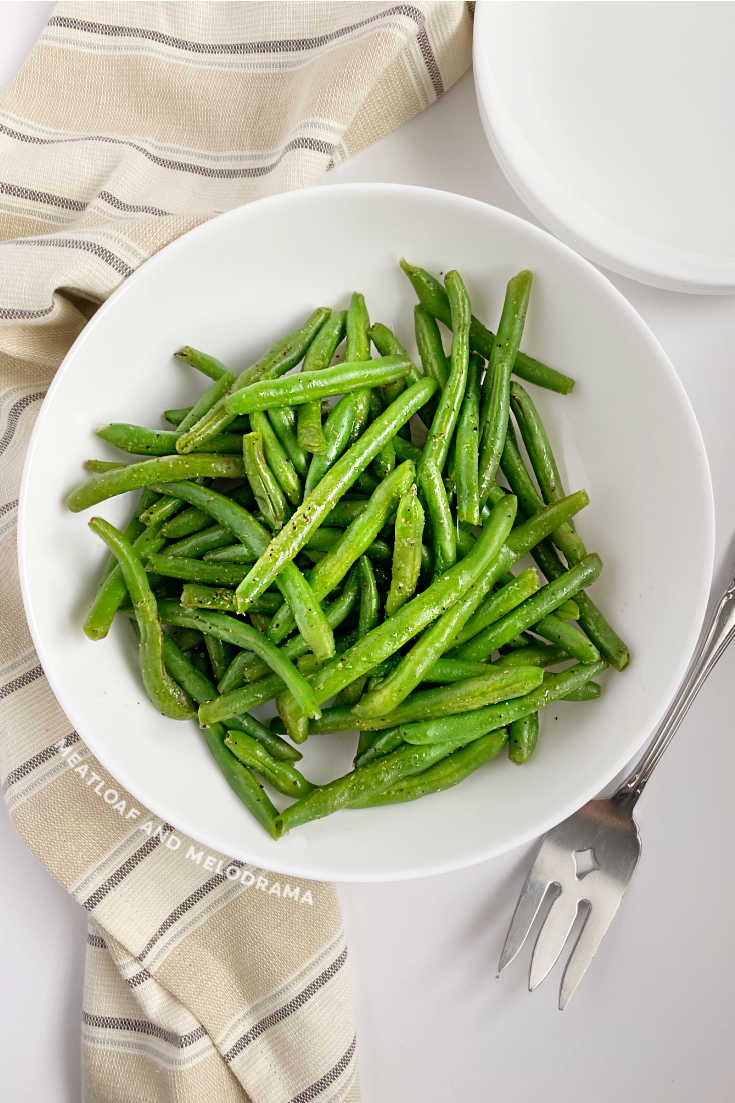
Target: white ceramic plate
(627,434)
(613,122)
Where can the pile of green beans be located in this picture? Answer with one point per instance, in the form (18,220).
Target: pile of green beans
(354,560)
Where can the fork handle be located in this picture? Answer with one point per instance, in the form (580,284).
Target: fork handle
(718,635)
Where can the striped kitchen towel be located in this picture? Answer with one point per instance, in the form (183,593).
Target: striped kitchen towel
(129,124)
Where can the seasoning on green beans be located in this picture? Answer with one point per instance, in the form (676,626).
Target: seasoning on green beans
(409,529)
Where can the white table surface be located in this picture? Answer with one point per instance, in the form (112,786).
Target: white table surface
(650,1021)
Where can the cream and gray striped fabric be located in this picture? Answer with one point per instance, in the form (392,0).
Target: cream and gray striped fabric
(206,979)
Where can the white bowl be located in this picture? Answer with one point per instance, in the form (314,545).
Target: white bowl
(627,433)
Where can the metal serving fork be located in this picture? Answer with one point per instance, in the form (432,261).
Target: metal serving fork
(590,857)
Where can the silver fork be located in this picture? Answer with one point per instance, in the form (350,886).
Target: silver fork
(589,859)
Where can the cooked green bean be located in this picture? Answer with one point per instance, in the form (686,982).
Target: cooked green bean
(294,390)
(409,528)
(263,483)
(166,695)
(206,402)
(352,543)
(318,356)
(282,775)
(388,344)
(277,459)
(369,615)
(283,420)
(431,350)
(537,444)
(243,783)
(511,594)
(385,460)
(433,298)
(496,391)
(217,654)
(532,610)
(442,428)
(405,450)
(242,635)
(160,442)
(522,738)
(443,775)
(160,511)
(447,670)
(309,617)
(568,636)
(162,469)
(112,589)
(289,541)
(337,434)
(200,543)
(569,610)
(175,417)
(468,725)
(482,563)
(537,654)
(444,539)
(360,783)
(284,354)
(204,363)
(467,446)
(185,523)
(448,700)
(97,467)
(195,570)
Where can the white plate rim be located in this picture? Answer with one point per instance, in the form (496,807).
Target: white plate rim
(545,822)
(645,264)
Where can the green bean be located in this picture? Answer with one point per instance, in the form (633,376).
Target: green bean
(440,435)
(247,667)
(207,402)
(468,725)
(405,450)
(175,417)
(217,654)
(433,491)
(388,344)
(431,350)
(385,460)
(282,775)
(294,390)
(369,615)
(97,467)
(159,470)
(537,444)
(447,670)
(447,700)
(467,447)
(532,610)
(309,617)
(284,354)
(588,692)
(511,594)
(569,610)
(112,589)
(166,695)
(204,363)
(195,570)
(189,640)
(337,432)
(242,635)
(277,459)
(537,654)
(347,510)
(360,783)
(409,527)
(522,738)
(318,356)
(196,596)
(263,483)
(289,541)
(160,511)
(438,637)
(443,775)
(382,744)
(496,391)
(352,543)
(196,545)
(159,442)
(283,420)
(388,637)
(433,298)
(242,781)
(185,523)
(568,636)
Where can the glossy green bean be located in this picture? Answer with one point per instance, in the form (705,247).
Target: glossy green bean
(281,775)
(496,390)
(431,350)
(569,610)
(385,460)
(568,636)
(443,775)
(206,402)
(409,528)
(468,725)
(185,523)
(537,444)
(283,420)
(369,615)
(442,428)
(444,539)
(97,467)
(194,595)
(433,298)
(219,659)
(522,738)
(244,636)
(388,344)
(166,695)
(162,469)
(482,563)
(309,431)
(112,589)
(532,610)
(160,511)
(511,594)
(269,497)
(467,446)
(337,434)
(360,783)
(289,541)
(160,442)
(243,782)
(308,614)
(277,459)
(352,543)
(195,570)
(199,543)
(203,362)
(284,354)
(536,654)
(446,700)
(294,390)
